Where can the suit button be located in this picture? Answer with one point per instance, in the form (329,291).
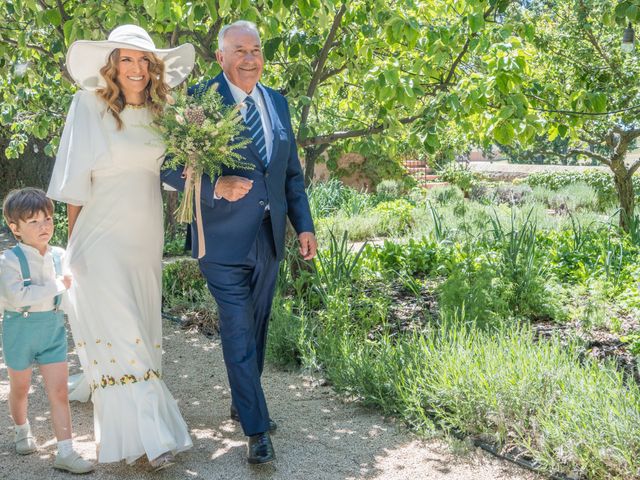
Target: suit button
(261,203)
(266,175)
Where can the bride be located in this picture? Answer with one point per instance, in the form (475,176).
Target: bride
(107,172)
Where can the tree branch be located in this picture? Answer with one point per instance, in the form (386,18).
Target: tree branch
(334,71)
(28,45)
(592,114)
(631,134)
(634,167)
(319,67)
(587,153)
(326,139)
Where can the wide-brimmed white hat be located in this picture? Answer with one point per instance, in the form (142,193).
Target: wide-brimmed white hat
(85,58)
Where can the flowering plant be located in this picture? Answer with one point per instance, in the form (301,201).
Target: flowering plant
(201,134)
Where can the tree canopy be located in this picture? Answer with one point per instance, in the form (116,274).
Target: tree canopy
(350,69)
(432,74)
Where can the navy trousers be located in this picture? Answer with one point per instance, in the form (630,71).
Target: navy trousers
(244,294)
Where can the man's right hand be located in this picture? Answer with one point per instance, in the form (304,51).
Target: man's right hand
(232,188)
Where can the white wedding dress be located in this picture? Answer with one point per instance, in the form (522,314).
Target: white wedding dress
(115,256)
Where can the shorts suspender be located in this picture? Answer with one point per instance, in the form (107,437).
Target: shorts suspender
(26,274)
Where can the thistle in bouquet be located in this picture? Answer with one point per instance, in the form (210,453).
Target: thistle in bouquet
(201,134)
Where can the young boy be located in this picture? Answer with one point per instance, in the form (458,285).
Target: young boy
(33,331)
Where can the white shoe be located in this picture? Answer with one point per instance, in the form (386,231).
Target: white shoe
(163,461)
(24,441)
(73,463)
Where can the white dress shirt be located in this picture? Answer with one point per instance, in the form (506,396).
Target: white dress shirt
(239,95)
(45,285)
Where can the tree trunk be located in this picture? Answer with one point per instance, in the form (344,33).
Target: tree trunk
(626,196)
(310,155)
(171,202)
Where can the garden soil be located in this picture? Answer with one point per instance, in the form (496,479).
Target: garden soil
(320,434)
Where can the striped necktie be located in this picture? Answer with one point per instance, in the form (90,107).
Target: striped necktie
(254,123)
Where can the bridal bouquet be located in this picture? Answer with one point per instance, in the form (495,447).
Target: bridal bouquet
(201,134)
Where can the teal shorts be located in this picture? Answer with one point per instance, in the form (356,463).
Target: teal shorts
(39,337)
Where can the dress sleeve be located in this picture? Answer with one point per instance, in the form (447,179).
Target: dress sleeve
(82,143)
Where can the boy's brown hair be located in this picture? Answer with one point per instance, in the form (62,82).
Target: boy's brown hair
(24,203)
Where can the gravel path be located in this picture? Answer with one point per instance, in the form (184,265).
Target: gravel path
(320,436)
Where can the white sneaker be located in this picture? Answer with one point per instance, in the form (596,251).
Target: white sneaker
(24,441)
(73,463)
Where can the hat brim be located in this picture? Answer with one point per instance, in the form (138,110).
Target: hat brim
(85,58)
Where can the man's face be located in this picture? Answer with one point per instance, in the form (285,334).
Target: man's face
(241,58)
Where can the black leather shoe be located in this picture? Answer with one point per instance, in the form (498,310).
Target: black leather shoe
(233,413)
(260,449)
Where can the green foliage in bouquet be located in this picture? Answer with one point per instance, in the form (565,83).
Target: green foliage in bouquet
(202,134)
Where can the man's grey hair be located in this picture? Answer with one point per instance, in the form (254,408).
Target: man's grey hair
(241,24)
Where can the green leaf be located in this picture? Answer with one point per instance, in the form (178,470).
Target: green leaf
(476,22)
(304,132)
(270,47)
(306,9)
(68,29)
(213,11)
(432,140)
(294,49)
(53,17)
(599,102)
(621,9)
(506,112)
(150,7)
(225,7)
(633,13)
(562,130)
(504,133)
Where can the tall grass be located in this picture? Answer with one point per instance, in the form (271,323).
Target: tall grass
(567,414)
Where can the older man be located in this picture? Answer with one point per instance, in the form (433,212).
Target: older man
(244,219)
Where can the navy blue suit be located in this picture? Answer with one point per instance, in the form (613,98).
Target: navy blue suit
(243,250)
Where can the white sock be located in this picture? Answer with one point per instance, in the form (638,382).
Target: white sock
(24,428)
(65,447)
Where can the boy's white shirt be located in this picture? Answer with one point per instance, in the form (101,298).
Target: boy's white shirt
(45,285)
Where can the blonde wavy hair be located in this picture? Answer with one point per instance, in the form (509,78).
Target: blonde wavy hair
(156,91)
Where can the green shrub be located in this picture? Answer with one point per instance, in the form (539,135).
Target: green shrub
(570,198)
(327,198)
(395,216)
(182,281)
(388,190)
(185,294)
(599,180)
(415,258)
(446,195)
(291,337)
(463,178)
(60,233)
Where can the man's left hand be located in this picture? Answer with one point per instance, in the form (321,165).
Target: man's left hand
(308,245)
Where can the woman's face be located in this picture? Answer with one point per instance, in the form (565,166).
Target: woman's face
(133,74)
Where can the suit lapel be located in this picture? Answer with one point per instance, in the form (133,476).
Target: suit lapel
(224,90)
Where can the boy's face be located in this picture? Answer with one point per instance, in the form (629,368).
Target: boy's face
(35,231)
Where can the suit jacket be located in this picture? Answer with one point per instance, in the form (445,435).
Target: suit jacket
(230,228)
